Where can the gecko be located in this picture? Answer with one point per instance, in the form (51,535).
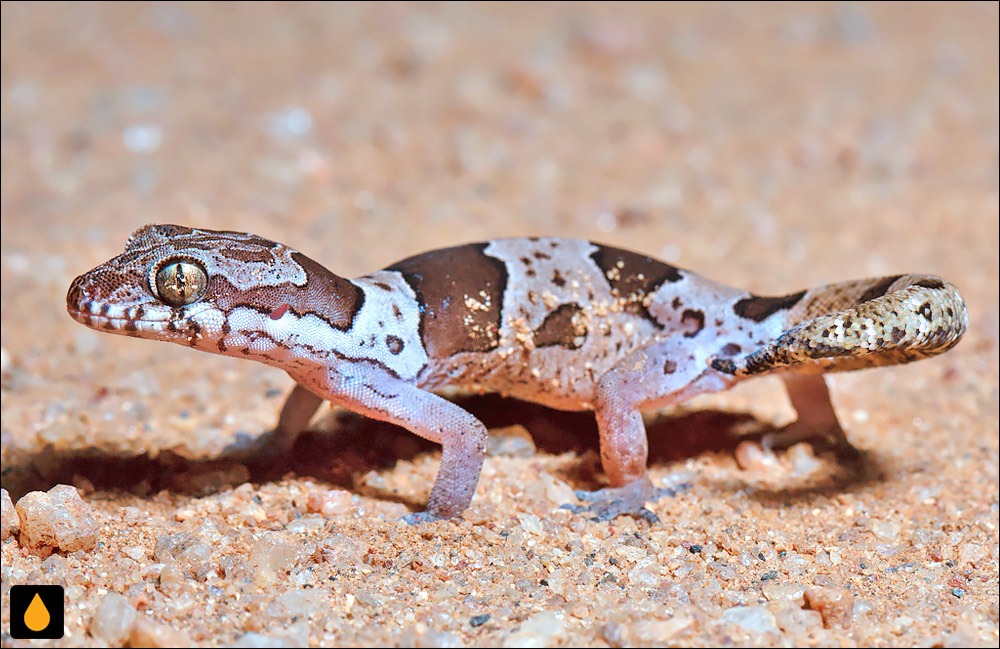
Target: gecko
(566,323)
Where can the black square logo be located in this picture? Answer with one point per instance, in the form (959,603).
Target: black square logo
(37,612)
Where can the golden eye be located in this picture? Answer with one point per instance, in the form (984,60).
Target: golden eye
(181,282)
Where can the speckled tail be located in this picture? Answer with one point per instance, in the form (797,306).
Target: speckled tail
(861,324)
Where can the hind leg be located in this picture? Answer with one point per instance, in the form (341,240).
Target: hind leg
(659,374)
(816,420)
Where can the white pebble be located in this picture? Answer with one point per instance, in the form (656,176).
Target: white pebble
(606,222)
(531,523)
(540,630)
(886,531)
(671,253)
(755,619)
(255,640)
(113,621)
(56,520)
(142,138)
(9,523)
(290,122)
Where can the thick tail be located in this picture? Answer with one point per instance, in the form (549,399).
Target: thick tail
(861,324)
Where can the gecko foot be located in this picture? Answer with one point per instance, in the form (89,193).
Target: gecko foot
(827,437)
(416,518)
(610,502)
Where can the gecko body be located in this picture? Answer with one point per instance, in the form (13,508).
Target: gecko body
(567,323)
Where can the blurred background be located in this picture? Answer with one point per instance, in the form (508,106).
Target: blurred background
(768,146)
(771,146)
(793,142)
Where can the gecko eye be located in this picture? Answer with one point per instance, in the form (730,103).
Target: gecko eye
(181,282)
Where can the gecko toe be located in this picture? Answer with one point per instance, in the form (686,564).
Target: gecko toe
(416,518)
(586,496)
(611,502)
(642,512)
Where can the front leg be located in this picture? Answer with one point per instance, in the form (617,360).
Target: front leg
(299,408)
(370,390)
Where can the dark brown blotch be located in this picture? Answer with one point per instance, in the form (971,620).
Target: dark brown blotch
(930,282)
(204,239)
(560,328)
(878,289)
(442,280)
(168,230)
(669,367)
(325,295)
(730,350)
(630,273)
(558,279)
(758,308)
(394,344)
(632,276)
(693,322)
(246,255)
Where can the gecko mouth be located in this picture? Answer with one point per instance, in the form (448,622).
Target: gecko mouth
(103,320)
(85,305)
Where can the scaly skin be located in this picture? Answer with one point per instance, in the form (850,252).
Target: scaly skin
(566,323)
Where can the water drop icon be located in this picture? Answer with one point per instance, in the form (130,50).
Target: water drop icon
(36,617)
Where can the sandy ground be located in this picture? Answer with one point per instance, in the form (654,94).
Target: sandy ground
(772,147)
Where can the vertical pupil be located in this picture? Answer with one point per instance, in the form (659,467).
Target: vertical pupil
(181,283)
(180,280)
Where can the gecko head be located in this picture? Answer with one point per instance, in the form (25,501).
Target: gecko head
(177,283)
